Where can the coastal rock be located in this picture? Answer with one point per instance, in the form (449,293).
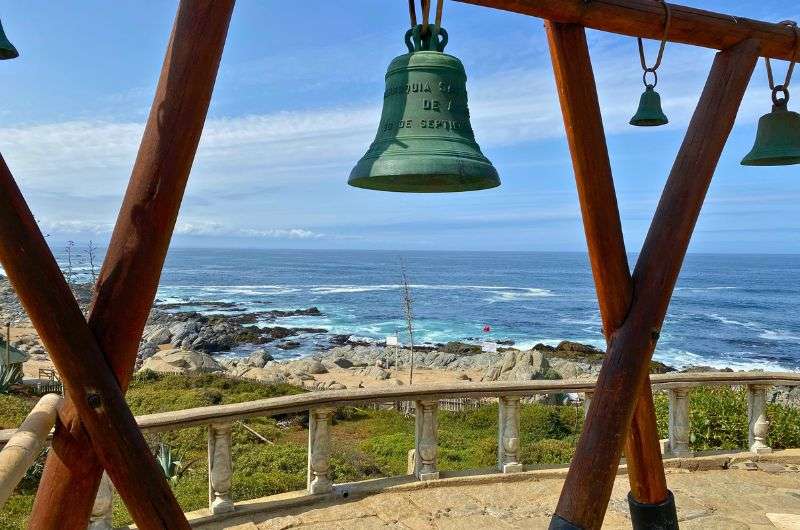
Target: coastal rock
(375,372)
(268,375)
(341,362)
(703,368)
(577,348)
(181,361)
(461,348)
(156,336)
(258,359)
(518,366)
(310,366)
(573,369)
(288,345)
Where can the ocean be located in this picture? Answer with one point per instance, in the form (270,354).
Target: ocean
(738,311)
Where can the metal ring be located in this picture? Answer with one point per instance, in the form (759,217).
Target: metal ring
(780,102)
(655,77)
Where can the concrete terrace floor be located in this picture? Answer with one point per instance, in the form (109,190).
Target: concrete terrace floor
(748,495)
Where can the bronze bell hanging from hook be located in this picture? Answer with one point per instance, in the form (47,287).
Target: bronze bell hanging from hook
(778,137)
(649,113)
(7,50)
(425,142)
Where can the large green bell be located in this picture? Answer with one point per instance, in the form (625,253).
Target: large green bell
(7,50)
(649,113)
(425,142)
(777,139)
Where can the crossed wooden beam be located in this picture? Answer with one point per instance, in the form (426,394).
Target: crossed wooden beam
(97,431)
(633,307)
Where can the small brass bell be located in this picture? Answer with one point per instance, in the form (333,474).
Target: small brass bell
(778,137)
(425,142)
(7,50)
(649,113)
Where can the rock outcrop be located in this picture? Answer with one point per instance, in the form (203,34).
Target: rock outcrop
(179,361)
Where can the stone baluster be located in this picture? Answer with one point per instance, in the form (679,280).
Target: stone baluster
(679,422)
(508,436)
(587,402)
(426,440)
(220,468)
(103,509)
(757,413)
(319,450)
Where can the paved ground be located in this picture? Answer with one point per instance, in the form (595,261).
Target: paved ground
(721,499)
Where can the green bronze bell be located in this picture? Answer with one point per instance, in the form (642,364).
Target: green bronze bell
(7,50)
(649,113)
(425,142)
(777,140)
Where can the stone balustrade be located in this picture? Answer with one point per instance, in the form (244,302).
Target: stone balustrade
(321,407)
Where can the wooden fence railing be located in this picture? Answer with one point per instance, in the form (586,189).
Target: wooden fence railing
(426,399)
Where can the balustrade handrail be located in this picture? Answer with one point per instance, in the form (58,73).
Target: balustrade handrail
(26,444)
(219,420)
(162,421)
(180,419)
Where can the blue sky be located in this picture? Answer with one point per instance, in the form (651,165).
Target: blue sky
(297,102)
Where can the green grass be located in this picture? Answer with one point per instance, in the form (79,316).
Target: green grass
(370,443)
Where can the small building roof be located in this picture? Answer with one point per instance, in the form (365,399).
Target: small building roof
(15,355)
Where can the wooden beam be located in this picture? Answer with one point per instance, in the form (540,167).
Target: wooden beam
(583,122)
(645,18)
(587,489)
(115,438)
(128,280)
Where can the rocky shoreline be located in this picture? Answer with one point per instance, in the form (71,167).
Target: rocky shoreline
(179,339)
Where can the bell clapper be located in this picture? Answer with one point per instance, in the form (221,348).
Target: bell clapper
(649,113)
(778,136)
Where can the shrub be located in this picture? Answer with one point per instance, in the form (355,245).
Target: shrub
(548,451)
(784,429)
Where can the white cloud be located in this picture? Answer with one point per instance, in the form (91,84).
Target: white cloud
(214,228)
(240,157)
(513,107)
(49,226)
(186,228)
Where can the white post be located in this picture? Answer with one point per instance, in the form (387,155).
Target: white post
(220,468)
(587,402)
(679,422)
(757,413)
(103,509)
(426,440)
(508,436)
(319,450)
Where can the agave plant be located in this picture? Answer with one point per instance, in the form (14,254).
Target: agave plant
(171,467)
(10,375)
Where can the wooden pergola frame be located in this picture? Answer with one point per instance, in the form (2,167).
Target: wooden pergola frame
(96,358)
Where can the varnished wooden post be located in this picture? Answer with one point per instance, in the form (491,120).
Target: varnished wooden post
(87,378)
(587,489)
(584,126)
(129,277)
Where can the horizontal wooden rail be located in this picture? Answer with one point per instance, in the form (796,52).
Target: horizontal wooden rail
(645,18)
(25,445)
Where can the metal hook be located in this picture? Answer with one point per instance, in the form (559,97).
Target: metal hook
(642,60)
